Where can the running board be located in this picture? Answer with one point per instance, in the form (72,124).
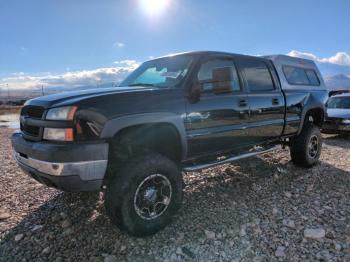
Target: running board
(227,160)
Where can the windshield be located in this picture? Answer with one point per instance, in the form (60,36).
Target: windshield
(339,102)
(162,72)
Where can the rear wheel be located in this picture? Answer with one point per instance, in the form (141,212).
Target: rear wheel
(144,195)
(305,149)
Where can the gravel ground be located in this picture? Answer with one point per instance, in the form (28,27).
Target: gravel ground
(259,209)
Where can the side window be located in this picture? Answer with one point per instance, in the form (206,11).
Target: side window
(218,74)
(257,75)
(300,76)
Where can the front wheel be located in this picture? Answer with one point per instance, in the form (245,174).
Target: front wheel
(144,195)
(305,149)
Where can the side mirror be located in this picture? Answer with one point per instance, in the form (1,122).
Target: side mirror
(195,92)
(222,80)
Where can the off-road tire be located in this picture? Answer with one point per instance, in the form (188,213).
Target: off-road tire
(122,186)
(299,146)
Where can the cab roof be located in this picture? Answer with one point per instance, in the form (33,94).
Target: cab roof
(211,53)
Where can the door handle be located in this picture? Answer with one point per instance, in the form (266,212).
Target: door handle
(275,101)
(243,103)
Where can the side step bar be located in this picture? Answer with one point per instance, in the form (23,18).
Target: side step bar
(227,160)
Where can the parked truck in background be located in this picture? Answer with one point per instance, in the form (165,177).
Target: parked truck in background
(173,114)
(337,120)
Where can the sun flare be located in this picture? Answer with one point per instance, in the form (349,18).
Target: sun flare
(154,7)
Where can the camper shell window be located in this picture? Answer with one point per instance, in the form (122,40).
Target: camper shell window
(300,76)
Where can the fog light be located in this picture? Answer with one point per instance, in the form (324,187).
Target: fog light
(58,134)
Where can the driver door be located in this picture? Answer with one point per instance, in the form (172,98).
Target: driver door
(216,122)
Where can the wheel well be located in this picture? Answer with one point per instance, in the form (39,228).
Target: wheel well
(316,116)
(162,138)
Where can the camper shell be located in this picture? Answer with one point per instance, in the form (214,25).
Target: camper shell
(281,62)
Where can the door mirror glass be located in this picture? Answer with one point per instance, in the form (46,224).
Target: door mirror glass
(222,80)
(195,92)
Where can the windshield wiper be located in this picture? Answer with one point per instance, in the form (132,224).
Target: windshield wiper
(142,84)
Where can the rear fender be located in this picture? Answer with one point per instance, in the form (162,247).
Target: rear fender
(308,108)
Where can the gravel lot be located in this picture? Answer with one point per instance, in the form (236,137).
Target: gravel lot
(259,209)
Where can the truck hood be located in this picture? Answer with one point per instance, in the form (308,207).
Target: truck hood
(71,97)
(338,113)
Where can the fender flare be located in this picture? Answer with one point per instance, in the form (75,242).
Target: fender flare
(306,109)
(113,126)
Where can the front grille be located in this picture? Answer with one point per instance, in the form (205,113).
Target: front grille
(30,130)
(31,112)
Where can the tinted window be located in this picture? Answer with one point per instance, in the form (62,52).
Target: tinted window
(257,75)
(339,102)
(208,77)
(300,76)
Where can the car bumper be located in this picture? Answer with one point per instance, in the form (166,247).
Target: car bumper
(70,167)
(334,128)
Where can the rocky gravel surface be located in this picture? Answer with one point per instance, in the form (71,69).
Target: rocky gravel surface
(257,209)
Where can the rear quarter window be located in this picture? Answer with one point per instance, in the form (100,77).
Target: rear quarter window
(314,81)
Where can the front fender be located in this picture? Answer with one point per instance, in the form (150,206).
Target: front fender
(113,126)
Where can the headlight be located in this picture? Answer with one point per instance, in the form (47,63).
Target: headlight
(61,113)
(58,134)
(346,121)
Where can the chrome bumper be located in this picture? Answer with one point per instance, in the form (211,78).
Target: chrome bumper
(86,170)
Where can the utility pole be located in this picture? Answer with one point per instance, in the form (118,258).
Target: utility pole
(42,90)
(8,92)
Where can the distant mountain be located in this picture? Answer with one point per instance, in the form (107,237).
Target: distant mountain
(328,69)
(31,93)
(335,76)
(56,89)
(339,81)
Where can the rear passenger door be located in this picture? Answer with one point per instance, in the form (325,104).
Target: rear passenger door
(265,99)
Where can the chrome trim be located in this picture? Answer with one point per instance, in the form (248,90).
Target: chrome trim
(86,170)
(228,160)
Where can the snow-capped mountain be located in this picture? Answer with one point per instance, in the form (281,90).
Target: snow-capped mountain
(340,81)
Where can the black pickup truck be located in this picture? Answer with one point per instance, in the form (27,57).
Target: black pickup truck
(173,114)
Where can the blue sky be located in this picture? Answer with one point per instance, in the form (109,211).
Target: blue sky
(43,39)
